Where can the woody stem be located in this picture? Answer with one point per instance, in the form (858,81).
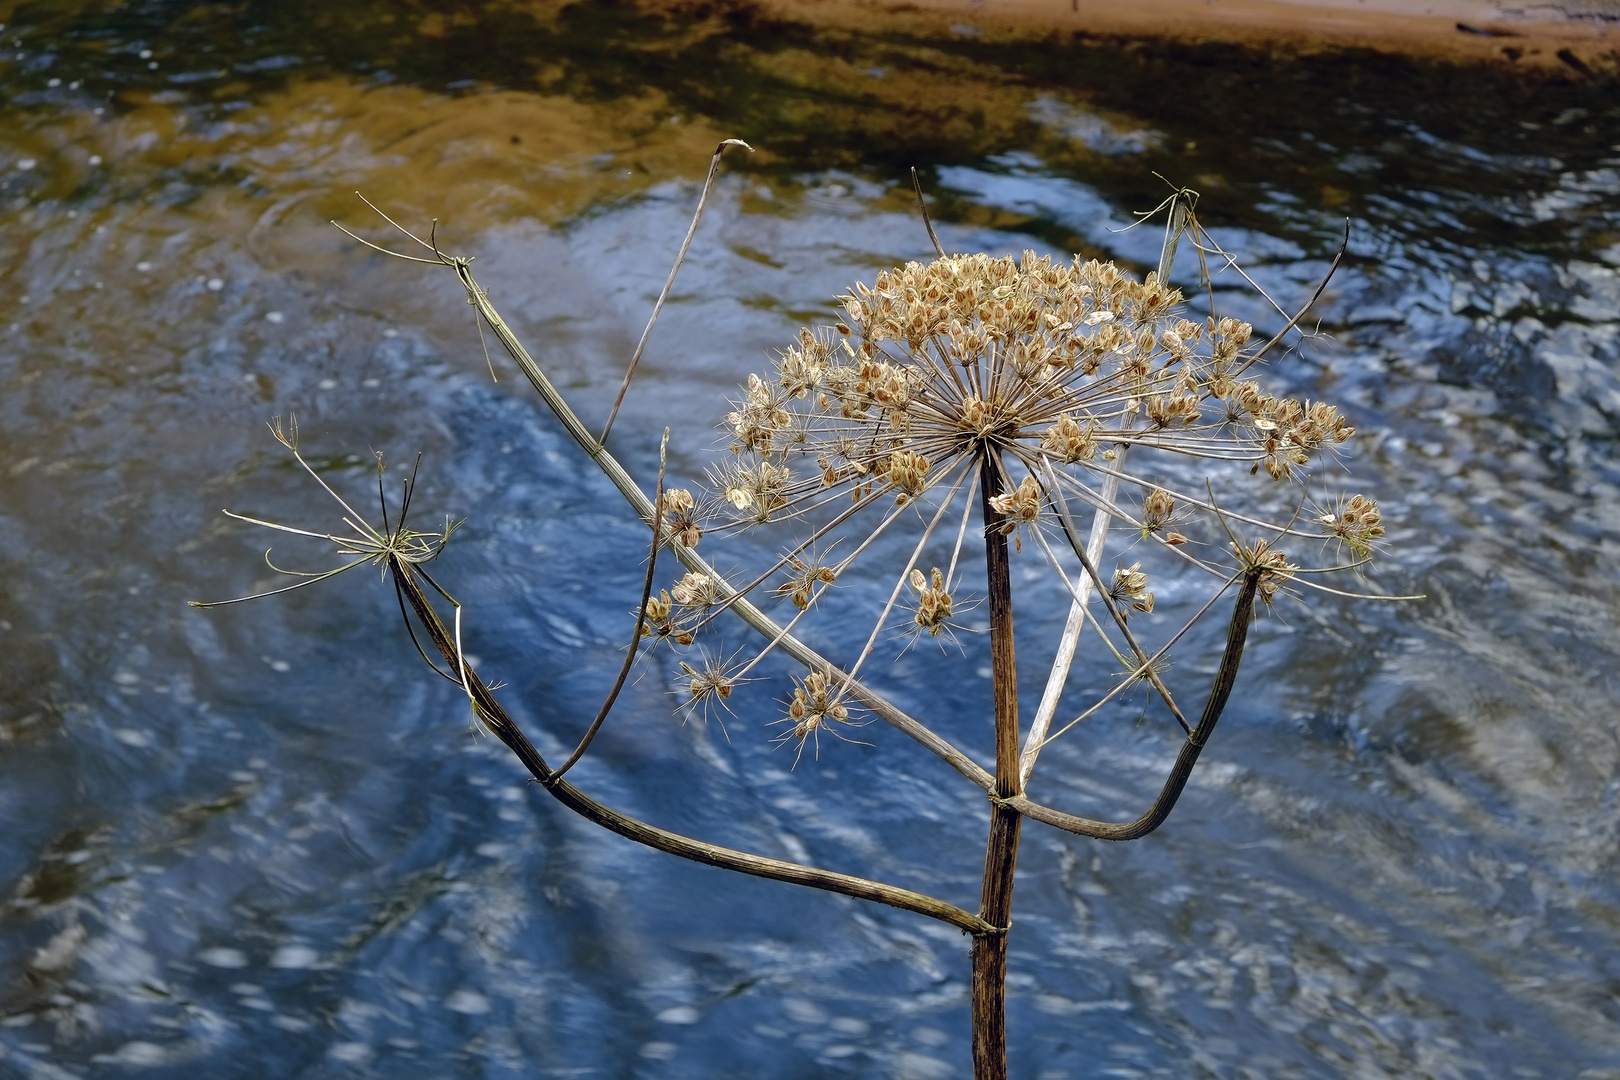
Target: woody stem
(1001,850)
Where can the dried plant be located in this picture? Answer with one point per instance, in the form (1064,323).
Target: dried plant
(966,398)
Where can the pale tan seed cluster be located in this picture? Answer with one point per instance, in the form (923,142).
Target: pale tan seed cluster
(941,367)
(682,519)
(906,473)
(803,577)
(1276,573)
(756,490)
(1357,523)
(1020,506)
(934,601)
(695,592)
(706,682)
(674,614)
(1291,432)
(1130,587)
(1068,442)
(813,708)
(947,359)
(1157,510)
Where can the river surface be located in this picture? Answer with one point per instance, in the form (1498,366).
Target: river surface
(263,841)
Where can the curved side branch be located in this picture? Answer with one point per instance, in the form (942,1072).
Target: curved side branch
(501,724)
(1220,692)
(641,620)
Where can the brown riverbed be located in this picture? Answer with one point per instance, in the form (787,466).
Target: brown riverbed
(1579,37)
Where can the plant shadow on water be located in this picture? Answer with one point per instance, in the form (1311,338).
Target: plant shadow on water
(266,844)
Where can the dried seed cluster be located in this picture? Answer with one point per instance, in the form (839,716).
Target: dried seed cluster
(968,355)
(803,577)
(1356,522)
(682,517)
(812,709)
(1020,506)
(1157,509)
(1130,587)
(934,601)
(940,368)
(1276,573)
(707,681)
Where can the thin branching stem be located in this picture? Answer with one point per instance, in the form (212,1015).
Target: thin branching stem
(894,595)
(640,619)
(1095,499)
(785,631)
(1075,622)
(1344,245)
(669,282)
(961,532)
(1131,677)
(788,556)
(922,204)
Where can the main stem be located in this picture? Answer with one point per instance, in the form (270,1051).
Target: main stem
(1001,850)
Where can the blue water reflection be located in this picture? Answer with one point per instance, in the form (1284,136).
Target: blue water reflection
(265,842)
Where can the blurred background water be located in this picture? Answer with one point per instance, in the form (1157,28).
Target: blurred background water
(264,842)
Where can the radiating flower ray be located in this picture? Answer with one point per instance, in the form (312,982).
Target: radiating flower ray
(394,543)
(742,591)
(811,710)
(1135,675)
(904,577)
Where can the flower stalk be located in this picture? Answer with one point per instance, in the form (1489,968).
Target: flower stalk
(989,952)
(999,389)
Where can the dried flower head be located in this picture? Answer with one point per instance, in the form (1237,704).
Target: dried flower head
(934,601)
(1021,506)
(682,516)
(706,686)
(1012,374)
(970,357)
(657,616)
(364,543)
(804,575)
(1158,510)
(756,491)
(814,708)
(1130,587)
(1068,442)
(1272,566)
(1277,573)
(695,592)
(1355,523)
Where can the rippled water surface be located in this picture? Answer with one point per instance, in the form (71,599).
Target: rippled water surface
(263,841)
